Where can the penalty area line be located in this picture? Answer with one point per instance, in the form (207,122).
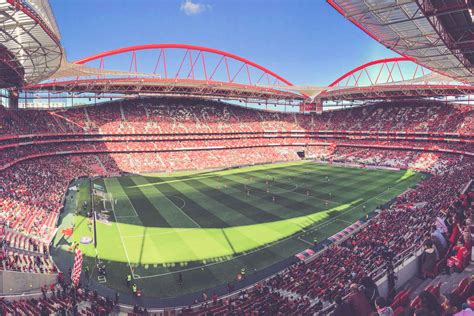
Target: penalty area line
(126,216)
(181,210)
(121,237)
(131,204)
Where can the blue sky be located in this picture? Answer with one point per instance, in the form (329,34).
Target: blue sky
(305,41)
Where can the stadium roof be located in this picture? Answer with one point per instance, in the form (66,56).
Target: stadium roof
(230,77)
(386,79)
(29,33)
(417,29)
(395,91)
(169,87)
(437,34)
(71,70)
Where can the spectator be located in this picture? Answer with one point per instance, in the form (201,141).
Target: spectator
(452,304)
(370,289)
(382,308)
(467,238)
(358,302)
(30,204)
(342,308)
(439,241)
(428,259)
(467,308)
(429,304)
(457,258)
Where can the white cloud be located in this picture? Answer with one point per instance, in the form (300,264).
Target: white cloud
(192,8)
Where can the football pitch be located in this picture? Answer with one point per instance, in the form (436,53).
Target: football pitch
(208,225)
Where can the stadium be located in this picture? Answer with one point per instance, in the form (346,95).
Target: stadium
(182,179)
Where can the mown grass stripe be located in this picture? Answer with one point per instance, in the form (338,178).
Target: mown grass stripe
(258,197)
(175,246)
(344,191)
(254,212)
(221,210)
(202,215)
(287,201)
(148,214)
(172,213)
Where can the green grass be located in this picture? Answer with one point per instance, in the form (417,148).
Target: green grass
(208,225)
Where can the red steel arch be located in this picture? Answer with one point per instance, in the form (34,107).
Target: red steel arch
(175,70)
(386,79)
(383,62)
(188,47)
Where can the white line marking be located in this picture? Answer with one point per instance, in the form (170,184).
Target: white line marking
(314,228)
(156,234)
(305,241)
(125,194)
(346,222)
(133,207)
(308,196)
(120,234)
(294,191)
(181,210)
(126,216)
(286,190)
(182,200)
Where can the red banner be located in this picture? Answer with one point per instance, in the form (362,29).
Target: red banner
(77,268)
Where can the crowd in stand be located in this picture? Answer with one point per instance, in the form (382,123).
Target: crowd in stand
(31,191)
(341,270)
(181,116)
(423,161)
(157,125)
(61,298)
(159,145)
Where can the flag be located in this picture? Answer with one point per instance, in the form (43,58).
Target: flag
(67,231)
(77,268)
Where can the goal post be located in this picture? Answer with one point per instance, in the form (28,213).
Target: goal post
(108,205)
